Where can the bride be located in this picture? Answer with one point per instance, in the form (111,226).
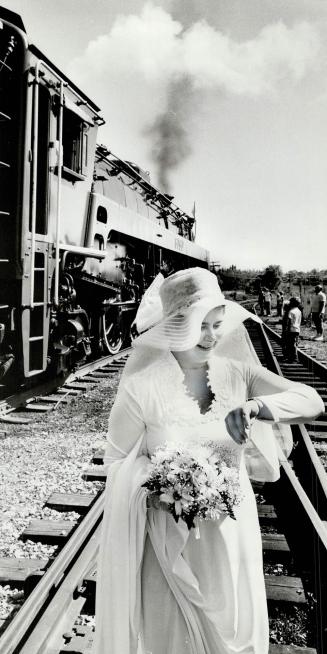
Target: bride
(193,375)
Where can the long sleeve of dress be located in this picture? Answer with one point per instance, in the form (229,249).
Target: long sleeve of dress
(286,401)
(126,424)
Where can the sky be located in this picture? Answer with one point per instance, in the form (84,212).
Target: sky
(223,101)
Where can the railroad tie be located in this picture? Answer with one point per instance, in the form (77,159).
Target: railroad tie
(60,398)
(39,407)
(15,571)
(97,376)
(15,419)
(317,435)
(275,547)
(110,369)
(50,532)
(281,588)
(267,514)
(79,502)
(71,392)
(98,473)
(76,386)
(317,429)
(97,458)
(319,424)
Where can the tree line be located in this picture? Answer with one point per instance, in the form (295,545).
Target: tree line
(272,277)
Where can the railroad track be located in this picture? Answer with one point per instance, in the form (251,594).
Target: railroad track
(56,596)
(299,499)
(47,394)
(72,537)
(312,437)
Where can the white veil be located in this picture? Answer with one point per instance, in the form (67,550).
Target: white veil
(261,452)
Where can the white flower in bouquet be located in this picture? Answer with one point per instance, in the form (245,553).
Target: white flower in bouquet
(194,481)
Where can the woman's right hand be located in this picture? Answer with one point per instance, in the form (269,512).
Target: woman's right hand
(239,421)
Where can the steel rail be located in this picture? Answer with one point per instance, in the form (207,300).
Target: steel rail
(311,512)
(34,605)
(19,399)
(30,629)
(307,506)
(62,610)
(318,467)
(314,458)
(95,365)
(311,364)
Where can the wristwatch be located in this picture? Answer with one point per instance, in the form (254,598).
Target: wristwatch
(259,402)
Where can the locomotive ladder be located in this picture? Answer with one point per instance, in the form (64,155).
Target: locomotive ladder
(4,121)
(35,321)
(5,167)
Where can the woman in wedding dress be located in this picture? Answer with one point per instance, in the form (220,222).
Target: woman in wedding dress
(193,376)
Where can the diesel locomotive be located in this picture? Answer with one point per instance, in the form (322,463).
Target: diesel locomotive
(83,232)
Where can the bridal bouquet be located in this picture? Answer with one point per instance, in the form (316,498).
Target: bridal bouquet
(194,481)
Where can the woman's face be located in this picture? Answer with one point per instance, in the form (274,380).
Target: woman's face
(209,337)
(210,329)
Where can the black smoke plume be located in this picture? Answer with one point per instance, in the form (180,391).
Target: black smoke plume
(169,133)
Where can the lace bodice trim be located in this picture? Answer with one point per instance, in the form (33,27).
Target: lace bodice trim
(183,409)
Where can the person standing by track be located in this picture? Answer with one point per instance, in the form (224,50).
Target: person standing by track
(318,306)
(261,301)
(292,329)
(267,303)
(280,303)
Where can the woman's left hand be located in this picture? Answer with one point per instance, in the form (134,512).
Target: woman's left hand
(239,420)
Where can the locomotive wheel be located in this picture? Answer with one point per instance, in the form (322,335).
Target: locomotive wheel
(112,336)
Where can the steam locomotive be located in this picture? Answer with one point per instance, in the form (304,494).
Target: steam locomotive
(83,233)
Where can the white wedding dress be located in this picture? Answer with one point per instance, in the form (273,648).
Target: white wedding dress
(161,590)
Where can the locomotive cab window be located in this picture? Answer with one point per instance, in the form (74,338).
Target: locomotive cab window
(75,146)
(102,215)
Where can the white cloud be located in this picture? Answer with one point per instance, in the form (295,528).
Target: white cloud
(253,67)
(134,70)
(155,47)
(147,44)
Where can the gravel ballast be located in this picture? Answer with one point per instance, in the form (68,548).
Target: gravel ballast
(48,455)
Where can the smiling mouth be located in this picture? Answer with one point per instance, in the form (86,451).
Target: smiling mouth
(207,347)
